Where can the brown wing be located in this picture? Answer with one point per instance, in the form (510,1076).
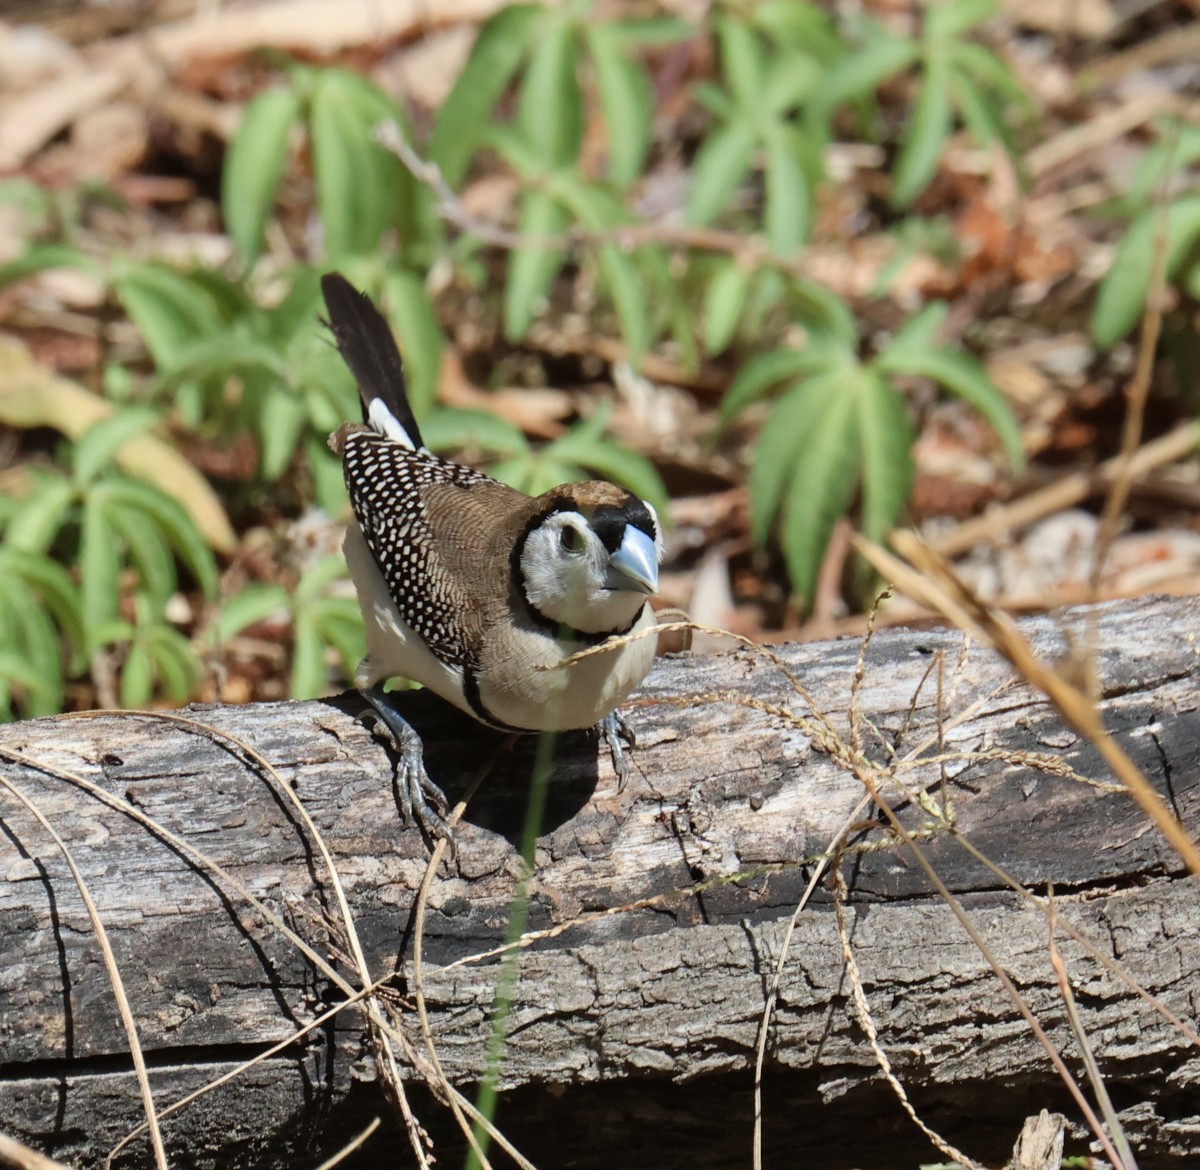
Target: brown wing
(428,523)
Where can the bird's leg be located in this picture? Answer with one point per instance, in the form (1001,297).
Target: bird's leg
(416,789)
(614,728)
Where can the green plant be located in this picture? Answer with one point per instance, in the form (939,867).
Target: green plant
(362,190)
(546,52)
(760,112)
(1173,227)
(41,632)
(127,538)
(840,423)
(322,612)
(960,80)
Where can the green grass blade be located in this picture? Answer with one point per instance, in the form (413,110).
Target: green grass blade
(626,101)
(721,166)
(421,340)
(532,270)
(826,469)
(550,105)
(498,50)
(724,303)
(254,165)
(886,435)
(925,133)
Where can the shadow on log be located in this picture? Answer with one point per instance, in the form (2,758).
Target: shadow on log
(631,1039)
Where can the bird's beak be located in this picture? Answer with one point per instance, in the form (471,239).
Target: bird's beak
(634,564)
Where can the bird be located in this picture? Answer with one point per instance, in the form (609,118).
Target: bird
(475,590)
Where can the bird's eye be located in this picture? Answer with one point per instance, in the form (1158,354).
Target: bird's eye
(570,538)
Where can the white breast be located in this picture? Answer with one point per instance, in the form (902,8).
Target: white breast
(519,690)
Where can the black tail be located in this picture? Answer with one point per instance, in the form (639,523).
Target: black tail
(365,341)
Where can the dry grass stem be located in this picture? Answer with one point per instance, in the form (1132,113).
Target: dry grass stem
(764,1023)
(19,1156)
(352,1145)
(1139,389)
(862,1011)
(114,974)
(1006,982)
(934,581)
(1115,1129)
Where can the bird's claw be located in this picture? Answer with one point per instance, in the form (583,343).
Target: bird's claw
(422,802)
(613,727)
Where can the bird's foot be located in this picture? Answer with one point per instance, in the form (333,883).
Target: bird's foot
(614,728)
(421,800)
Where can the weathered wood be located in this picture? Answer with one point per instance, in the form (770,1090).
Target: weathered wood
(632,1034)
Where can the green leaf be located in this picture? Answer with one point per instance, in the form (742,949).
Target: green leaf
(15,668)
(451,429)
(925,133)
(421,340)
(550,106)
(963,376)
(724,301)
(340,625)
(210,358)
(149,552)
(357,185)
(174,523)
(979,113)
(30,629)
(950,20)
(781,443)
(627,289)
(100,443)
(175,661)
(822,484)
(41,514)
(281,418)
(137,676)
(762,374)
(626,100)
(254,165)
(316,581)
(790,81)
(310,676)
(860,73)
(651,31)
(54,587)
(720,167)
(991,72)
(1121,298)
(43,257)
(498,50)
(170,309)
(918,333)
(743,63)
(886,436)
(99,565)
(788,201)
(255,603)
(532,270)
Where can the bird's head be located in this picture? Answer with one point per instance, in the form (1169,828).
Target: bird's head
(589,557)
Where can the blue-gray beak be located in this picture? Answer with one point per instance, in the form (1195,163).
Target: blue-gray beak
(634,565)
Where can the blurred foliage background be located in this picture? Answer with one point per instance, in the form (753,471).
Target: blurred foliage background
(785,269)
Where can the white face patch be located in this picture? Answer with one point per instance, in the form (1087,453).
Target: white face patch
(564,566)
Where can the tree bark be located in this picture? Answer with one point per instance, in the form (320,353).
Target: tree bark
(631,1036)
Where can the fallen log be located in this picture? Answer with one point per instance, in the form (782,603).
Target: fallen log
(662,911)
